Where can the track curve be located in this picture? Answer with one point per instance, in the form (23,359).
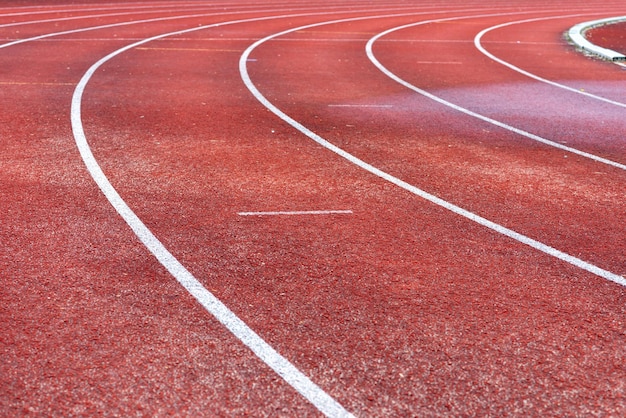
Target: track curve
(391,305)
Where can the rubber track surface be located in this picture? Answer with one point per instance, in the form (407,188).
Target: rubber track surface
(391,304)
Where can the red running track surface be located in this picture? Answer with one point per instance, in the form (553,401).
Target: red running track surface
(611,36)
(339,258)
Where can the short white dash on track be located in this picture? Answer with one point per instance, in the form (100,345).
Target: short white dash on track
(297,212)
(440,62)
(359,105)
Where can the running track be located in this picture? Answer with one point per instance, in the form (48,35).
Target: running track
(304,208)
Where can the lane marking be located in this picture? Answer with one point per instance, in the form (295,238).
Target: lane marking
(188,49)
(52,10)
(297,212)
(479,46)
(440,62)
(468,112)
(361,105)
(27,83)
(329,32)
(95,16)
(522,43)
(400,183)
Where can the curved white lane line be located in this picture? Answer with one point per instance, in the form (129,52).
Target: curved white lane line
(108,26)
(400,183)
(39,10)
(178,17)
(294,377)
(96,16)
(479,46)
(297,213)
(438,99)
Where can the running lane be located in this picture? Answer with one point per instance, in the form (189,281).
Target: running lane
(392,305)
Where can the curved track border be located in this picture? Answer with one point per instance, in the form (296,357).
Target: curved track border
(576,34)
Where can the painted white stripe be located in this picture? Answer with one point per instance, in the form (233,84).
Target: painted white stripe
(95,16)
(400,183)
(479,46)
(437,99)
(359,105)
(302,212)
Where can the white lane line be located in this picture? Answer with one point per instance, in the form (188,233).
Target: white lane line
(52,9)
(108,26)
(360,105)
(297,212)
(440,62)
(438,99)
(294,377)
(402,184)
(27,83)
(95,16)
(187,49)
(481,48)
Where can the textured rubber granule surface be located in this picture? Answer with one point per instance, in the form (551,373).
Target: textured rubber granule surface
(391,304)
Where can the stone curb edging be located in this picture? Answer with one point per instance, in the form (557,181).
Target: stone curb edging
(576,35)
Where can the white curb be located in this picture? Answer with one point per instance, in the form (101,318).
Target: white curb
(576,34)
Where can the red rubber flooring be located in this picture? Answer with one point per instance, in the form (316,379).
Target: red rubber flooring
(396,222)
